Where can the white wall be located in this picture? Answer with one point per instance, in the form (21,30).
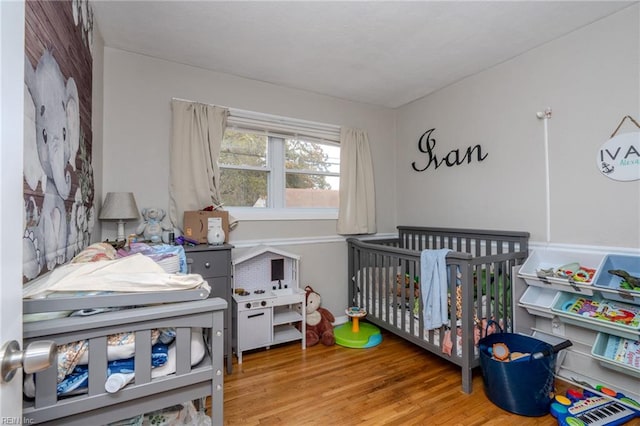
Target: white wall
(137,128)
(591,80)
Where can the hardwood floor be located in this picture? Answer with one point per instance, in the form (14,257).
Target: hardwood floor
(395,383)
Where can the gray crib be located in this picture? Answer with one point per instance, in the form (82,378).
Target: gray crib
(384,278)
(145,394)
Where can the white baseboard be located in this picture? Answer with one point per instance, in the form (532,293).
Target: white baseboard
(343,319)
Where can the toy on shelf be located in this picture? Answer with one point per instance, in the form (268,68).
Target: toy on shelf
(603,310)
(153,225)
(573,271)
(586,408)
(629,282)
(354,334)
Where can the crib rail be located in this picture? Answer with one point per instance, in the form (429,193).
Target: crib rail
(475,241)
(385,275)
(144,394)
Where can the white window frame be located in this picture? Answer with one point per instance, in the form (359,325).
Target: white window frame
(281,128)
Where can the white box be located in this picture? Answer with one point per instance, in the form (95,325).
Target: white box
(539,300)
(603,345)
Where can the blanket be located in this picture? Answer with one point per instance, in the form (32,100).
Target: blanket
(135,273)
(433,286)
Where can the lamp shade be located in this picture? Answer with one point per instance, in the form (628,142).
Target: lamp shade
(119,206)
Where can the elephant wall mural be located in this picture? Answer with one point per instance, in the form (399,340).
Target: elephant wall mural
(59,212)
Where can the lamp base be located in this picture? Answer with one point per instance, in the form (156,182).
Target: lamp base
(120,236)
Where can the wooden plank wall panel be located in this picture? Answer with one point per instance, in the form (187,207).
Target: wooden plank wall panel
(50,26)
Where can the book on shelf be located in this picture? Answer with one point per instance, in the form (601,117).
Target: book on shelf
(623,351)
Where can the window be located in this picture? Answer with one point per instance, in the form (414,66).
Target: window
(279,163)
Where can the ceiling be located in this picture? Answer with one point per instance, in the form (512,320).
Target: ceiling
(382,53)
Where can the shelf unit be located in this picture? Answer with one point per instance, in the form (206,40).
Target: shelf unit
(285,320)
(536,310)
(271,322)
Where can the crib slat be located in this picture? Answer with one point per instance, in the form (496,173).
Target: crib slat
(143,357)
(46,389)
(183,351)
(97,365)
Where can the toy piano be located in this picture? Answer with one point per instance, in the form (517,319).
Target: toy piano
(585,408)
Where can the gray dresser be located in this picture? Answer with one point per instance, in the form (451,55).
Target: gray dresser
(214,264)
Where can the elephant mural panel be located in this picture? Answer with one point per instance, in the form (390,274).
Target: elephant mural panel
(55,111)
(58,177)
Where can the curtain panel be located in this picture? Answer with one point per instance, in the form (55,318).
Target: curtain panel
(197,132)
(357,213)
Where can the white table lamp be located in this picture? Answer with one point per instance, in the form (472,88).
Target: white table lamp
(120,207)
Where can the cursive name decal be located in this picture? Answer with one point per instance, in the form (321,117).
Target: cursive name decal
(426,145)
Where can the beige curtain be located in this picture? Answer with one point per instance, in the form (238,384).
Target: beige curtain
(198,130)
(357,213)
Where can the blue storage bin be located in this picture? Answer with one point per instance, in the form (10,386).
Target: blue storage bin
(522,387)
(604,279)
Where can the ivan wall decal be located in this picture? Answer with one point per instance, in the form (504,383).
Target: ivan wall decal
(426,145)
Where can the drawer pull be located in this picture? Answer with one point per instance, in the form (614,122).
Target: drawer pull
(207,265)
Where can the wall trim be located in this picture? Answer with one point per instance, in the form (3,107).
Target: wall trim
(533,245)
(303,240)
(579,248)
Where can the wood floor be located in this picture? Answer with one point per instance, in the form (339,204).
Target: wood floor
(395,383)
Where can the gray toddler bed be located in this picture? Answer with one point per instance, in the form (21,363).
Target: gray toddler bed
(146,393)
(384,279)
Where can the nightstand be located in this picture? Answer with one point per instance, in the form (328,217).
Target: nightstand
(214,264)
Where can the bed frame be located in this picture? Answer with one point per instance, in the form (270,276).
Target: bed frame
(145,394)
(379,267)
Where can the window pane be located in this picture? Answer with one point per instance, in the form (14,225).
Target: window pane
(311,156)
(243,188)
(311,191)
(243,149)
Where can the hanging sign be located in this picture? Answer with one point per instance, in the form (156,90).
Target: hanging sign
(619,157)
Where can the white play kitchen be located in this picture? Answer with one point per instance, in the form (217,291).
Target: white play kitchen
(268,303)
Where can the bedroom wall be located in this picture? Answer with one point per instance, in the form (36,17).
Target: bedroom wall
(591,80)
(137,124)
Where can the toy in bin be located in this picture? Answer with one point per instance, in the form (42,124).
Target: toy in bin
(587,408)
(500,352)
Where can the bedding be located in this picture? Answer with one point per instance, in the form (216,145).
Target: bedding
(73,359)
(135,273)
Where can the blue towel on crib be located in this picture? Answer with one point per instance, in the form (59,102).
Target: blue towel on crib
(433,287)
(79,378)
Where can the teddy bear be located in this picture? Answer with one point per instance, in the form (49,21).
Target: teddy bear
(319,320)
(153,227)
(407,285)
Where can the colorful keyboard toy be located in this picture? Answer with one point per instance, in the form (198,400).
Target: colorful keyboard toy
(585,408)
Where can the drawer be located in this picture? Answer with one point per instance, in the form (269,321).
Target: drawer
(209,264)
(220,287)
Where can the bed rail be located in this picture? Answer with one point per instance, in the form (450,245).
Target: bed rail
(145,394)
(475,241)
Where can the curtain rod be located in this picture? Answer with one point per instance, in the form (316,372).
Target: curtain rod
(201,103)
(254,114)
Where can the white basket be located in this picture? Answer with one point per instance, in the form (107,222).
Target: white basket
(545,259)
